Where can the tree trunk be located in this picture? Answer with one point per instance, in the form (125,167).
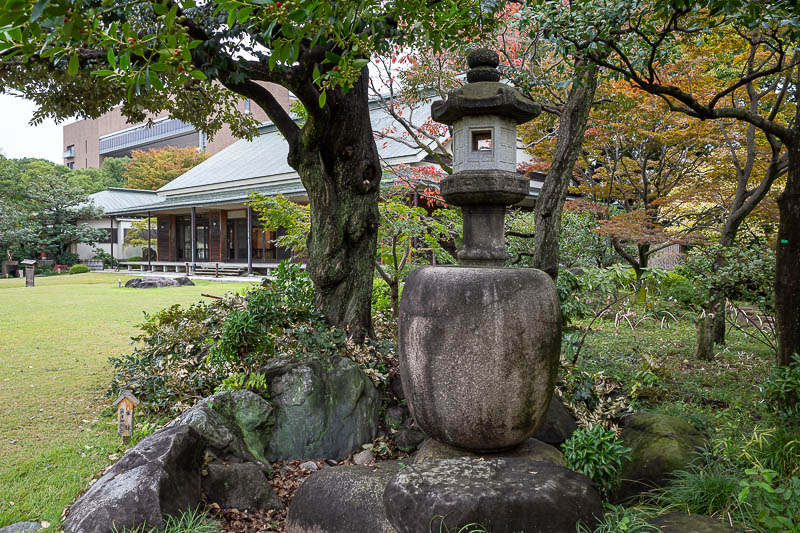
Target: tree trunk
(787,266)
(341,172)
(705,338)
(550,203)
(394,288)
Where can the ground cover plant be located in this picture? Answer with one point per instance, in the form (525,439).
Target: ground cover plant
(640,357)
(55,432)
(186,353)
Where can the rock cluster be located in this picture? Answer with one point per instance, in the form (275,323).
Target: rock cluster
(219,450)
(660,444)
(158,282)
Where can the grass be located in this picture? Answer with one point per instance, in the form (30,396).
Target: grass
(56,431)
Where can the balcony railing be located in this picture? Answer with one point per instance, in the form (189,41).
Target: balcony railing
(69,152)
(142,135)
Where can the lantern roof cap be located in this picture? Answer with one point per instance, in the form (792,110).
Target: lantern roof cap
(127,395)
(484,94)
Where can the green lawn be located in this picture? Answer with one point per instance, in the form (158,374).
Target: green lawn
(56,431)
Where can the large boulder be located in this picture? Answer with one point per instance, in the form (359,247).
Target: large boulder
(158,477)
(558,425)
(479,352)
(157,282)
(690,523)
(503,495)
(343,499)
(236,425)
(241,486)
(325,408)
(531,449)
(660,444)
(22,527)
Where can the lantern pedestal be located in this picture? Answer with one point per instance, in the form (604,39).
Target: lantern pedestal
(479,353)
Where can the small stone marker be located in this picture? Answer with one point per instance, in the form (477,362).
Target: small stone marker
(30,265)
(125,405)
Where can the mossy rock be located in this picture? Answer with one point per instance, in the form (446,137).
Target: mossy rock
(325,408)
(661,444)
(690,523)
(236,425)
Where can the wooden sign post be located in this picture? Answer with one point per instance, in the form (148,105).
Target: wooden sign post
(30,270)
(125,405)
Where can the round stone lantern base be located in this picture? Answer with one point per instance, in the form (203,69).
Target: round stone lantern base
(479,351)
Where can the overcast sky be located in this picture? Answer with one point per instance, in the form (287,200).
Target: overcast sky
(19,139)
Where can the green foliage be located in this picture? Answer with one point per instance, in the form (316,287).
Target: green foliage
(195,521)
(772,500)
(186,353)
(782,391)
(67,258)
(244,381)
(137,235)
(407,236)
(280,212)
(104,256)
(596,453)
(92,180)
(42,216)
(381,296)
(152,169)
(442,527)
(710,490)
(578,245)
(78,269)
(617,519)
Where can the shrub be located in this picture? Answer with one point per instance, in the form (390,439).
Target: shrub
(772,501)
(618,518)
(382,296)
(708,490)
(686,293)
(183,354)
(782,392)
(68,258)
(134,258)
(78,269)
(596,453)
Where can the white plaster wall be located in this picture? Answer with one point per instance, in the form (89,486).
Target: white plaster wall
(86,251)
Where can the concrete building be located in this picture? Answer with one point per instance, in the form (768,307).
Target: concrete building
(87,142)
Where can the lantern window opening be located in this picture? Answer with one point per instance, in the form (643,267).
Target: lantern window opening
(482,140)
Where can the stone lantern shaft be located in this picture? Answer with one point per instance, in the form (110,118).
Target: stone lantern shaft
(484,114)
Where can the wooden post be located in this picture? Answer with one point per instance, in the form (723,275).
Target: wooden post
(30,271)
(125,405)
(194,239)
(249,241)
(216,270)
(149,245)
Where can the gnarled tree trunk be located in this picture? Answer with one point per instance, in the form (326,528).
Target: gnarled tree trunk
(337,160)
(550,204)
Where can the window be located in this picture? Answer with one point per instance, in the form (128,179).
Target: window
(71,165)
(107,235)
(247,106)
(482,141)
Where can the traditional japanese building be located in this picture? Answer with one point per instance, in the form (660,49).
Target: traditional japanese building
(203,223)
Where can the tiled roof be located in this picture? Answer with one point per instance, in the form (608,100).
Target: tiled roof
(212,198)
(116,198)
(265,156)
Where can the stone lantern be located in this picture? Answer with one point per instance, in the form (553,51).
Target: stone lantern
(479,343)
